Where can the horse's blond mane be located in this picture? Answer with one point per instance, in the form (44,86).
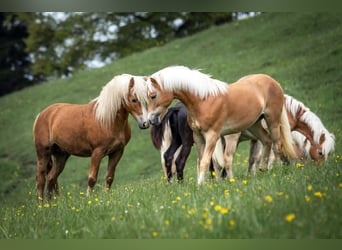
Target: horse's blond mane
(113,93)
(314,123)
(182,78)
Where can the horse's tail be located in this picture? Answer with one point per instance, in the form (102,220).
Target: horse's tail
(218,154)
(157,135)
(286,137)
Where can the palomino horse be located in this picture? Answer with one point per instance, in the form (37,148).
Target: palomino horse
(96,129)
(313,138)
(173,137)
(217,109)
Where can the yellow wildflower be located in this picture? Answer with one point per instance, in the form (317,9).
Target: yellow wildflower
(154,234)
(191,211)
(290,217)
(318,194)
(224,210)
(309,187)
(231,223)
(217,208)
(244,182)
(167,222)
(307,198)
(268,198)
(231,180)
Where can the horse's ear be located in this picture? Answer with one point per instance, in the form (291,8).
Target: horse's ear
(131,84)
(322,139)
(154,83)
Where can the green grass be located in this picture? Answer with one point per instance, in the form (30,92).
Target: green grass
(301,51)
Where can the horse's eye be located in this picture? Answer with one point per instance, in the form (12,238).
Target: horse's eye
(153,97)
(134,100)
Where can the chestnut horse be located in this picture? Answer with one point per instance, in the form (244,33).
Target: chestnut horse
(96,129)
(312,138)
(215,109)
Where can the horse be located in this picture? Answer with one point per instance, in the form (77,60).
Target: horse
(97,129)
(173,137)
(308,132)
(216,108)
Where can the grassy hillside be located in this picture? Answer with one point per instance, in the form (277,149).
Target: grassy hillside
(302,51)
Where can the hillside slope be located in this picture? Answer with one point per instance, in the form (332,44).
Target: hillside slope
(302,51)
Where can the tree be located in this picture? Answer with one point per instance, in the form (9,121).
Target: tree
(14,61)
(40,46)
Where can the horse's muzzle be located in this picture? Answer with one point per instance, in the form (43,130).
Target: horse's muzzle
(154,119)
(144,125)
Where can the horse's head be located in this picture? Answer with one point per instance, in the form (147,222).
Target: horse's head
(134,103)
(320,151)
(158,101)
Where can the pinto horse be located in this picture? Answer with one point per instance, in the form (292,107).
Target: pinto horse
(96,129)
(216,109)
(173,137)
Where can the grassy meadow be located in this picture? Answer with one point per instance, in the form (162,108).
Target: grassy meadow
(302,51)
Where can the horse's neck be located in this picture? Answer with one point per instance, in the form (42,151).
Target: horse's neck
(297,124)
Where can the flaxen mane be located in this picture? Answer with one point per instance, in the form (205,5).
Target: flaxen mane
(298,109)
(181,77)
(113,93)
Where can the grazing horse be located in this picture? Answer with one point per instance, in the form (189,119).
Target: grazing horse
(96,129)
(215,109)
(173,137)
(312,138)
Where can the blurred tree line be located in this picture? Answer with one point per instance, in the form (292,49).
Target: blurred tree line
(36,47)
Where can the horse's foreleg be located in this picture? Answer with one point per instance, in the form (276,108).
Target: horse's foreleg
(199,143)
(168,158)
(95,161)
(211,138)
(113,160)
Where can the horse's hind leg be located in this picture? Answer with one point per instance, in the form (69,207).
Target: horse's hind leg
(43,159)
(255,153)
(58,162)
(259,132)
(113,160)
(181,160)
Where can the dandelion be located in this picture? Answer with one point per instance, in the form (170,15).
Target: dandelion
(231,223)
(309,187)
(340,185)
(280,193)
(307,198)
(46,205)
(89,202)
(204,215)
(226,192)
(154,234)
(231,180)
(167,222)
(299,165)
(191,211)
(224,210)
(217,208)
(268,198)
(208,222)
(113,218)
(244,182)
(290,217)
(318,194)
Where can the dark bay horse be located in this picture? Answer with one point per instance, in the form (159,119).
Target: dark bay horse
(216,109)
(173,137)
(94,130)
